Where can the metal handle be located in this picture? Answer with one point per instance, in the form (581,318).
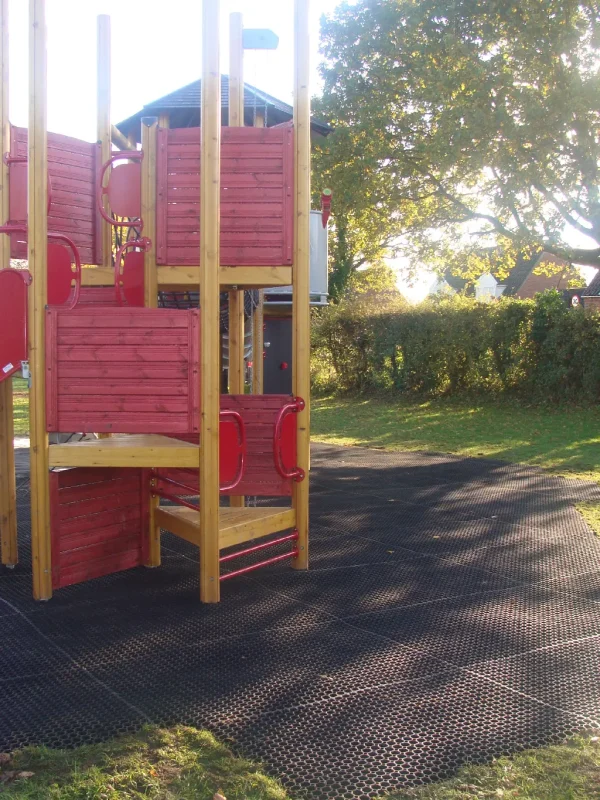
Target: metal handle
(101,190)
(242,429)
(293,407)
(70,244)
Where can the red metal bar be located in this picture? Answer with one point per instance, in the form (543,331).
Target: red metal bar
(174,499)
(293,407)
(101,190)
(274,560)
(292,537)
(242,429)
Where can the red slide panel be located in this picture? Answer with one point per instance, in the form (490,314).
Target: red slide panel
(256,196)
(73,169)
(13,320)
(122,370)
(98,522)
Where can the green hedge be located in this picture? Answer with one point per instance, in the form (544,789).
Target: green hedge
(539,350)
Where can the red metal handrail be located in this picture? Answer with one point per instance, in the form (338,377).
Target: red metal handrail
(242,429)
(291,537)
(293,407)
(143,244)
(8,229)
(101,190)
(293,554)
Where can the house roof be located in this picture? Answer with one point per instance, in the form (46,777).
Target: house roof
(593,288)
(519,273)
(183,107)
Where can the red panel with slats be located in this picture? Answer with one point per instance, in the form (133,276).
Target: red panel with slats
(122,370)
(256,196)
(259,413)
(98,522)
(73,166)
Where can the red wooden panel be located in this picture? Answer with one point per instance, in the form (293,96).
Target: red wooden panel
(256,196)
(122,370)
(97,296)
(72,170)
(259,413)
(13,320)
(95,532)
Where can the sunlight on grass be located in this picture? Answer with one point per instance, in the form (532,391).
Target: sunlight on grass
(591,514)
(562,441)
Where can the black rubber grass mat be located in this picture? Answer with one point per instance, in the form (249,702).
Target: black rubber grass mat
(378,740)
(452,613)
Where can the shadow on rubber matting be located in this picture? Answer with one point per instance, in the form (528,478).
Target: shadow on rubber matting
(451,614)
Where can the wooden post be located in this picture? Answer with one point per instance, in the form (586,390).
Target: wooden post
(301,268)
(148,211)
(210,215)
(236,298)
(149,128)
(258,320)
(164,120)
(8,498)
(37,254)
(103,120)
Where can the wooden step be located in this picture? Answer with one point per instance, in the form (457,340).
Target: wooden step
(126,450)
(236,525)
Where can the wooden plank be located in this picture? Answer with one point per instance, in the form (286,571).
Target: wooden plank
(104,131)
(149,175)
(37,257)
(187,276)
(301,271)
(125,451)
(8,500)
(152,556)
(210,215)
(238,525)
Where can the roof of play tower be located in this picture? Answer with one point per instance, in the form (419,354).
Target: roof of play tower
(183,108)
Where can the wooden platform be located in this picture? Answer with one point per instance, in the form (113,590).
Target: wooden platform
(124,450)
(236,525)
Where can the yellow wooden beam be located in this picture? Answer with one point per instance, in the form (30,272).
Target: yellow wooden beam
(8,499)
(258,345)
(210,219)
(149,129)
(130,450)
(301,274)
(121,141)
(164,120)
(104,130)
(37,257)
(153,557)
(182,278)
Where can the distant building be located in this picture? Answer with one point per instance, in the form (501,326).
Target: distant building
(525,280)
(590,296)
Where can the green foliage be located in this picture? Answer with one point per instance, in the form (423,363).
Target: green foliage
(540,350)
(465,133)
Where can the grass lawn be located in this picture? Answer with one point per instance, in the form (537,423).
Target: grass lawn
(21,406)
(564,441)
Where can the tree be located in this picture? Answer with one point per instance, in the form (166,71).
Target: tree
(466,131)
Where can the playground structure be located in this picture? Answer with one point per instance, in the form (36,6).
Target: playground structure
(206,210)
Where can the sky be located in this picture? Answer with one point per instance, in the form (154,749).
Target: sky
(155,50)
